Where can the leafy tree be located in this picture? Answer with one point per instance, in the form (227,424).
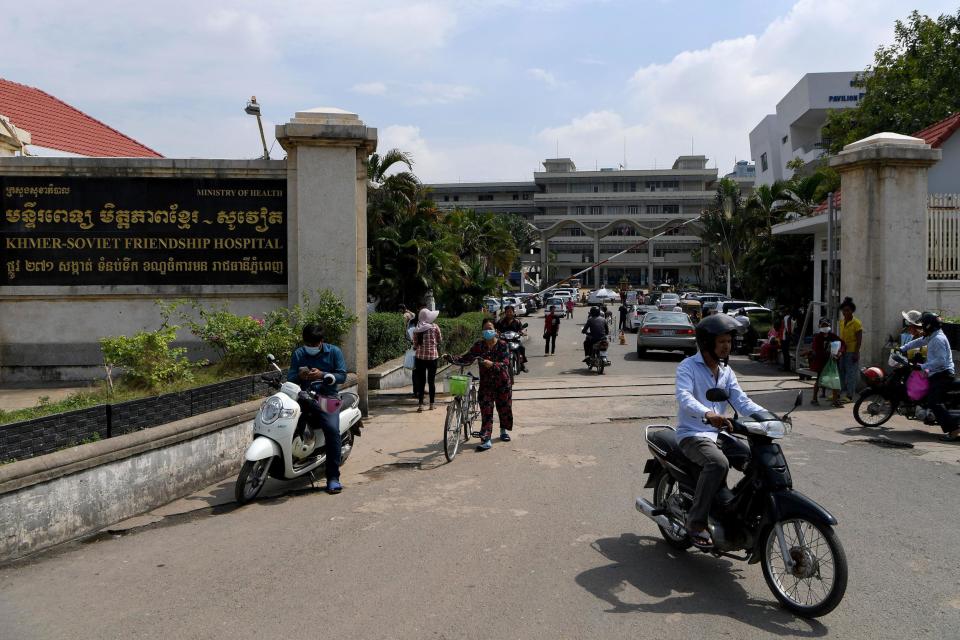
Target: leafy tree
(912,83)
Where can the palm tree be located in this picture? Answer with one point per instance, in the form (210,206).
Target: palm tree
(765,203)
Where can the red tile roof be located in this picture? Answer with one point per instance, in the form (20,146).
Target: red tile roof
(934,135)
(939,132)
(54,124)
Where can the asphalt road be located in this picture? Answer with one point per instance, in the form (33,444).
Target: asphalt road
(537,538)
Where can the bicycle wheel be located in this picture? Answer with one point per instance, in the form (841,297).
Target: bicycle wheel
(451,428)
(471,413)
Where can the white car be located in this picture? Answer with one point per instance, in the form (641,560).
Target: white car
(668,301)
(492,305)
(636,314)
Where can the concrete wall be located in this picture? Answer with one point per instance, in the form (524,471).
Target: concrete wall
(51,499)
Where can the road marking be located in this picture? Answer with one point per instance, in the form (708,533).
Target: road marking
(548,364)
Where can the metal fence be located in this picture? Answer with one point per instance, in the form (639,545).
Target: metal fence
(21,440)
(943,236)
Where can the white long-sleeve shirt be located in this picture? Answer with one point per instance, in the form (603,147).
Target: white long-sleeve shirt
(694,378)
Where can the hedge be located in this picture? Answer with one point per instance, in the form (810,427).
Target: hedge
(386,341)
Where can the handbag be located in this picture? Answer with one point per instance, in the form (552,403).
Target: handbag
(918,385)
(409,359)
(830,376)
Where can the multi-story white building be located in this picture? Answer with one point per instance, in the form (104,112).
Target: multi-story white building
(794,131)
(587,216)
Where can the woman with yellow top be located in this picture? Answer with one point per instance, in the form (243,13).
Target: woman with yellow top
(851,333)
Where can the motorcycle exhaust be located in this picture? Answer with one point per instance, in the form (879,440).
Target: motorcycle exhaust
(647,509)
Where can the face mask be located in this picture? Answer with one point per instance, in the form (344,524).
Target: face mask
(311,351)
(489,334)
(824,329)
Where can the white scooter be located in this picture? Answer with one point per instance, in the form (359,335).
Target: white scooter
(283,447)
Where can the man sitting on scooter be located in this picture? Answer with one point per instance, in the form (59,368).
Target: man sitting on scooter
(510,322)
(308,367)
(701,421)
(596,329)
(939,368)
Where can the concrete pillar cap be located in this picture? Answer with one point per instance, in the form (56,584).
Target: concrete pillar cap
(887,138)
(326,115)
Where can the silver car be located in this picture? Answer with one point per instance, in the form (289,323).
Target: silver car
(666,331)
(636,313)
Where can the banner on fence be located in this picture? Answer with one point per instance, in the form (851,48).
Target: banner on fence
(72,231)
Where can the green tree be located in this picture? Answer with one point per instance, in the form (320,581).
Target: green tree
(911,84)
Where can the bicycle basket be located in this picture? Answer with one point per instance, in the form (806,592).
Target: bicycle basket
(458,385)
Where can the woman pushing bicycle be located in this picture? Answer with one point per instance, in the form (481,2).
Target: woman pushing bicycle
(495,388)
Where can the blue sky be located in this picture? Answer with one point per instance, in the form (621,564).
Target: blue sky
(475,90)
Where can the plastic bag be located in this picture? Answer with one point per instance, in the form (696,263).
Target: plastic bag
(409,359)
(918,385)
(830,376)
(835,347)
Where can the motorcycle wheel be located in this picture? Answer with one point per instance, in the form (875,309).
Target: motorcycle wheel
(600,367)
(804,590)
(253,475)
(872,409)
(667,486)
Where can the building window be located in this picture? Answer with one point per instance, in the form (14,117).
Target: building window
(580,210)
(446,198)
(615,211)
(516,196)
(633,209)
(671,208)
(653,208)
(633,186)
(485,197)
(527,196)
(574,231)
(616,187)
(651,185)
(596,211)
(763,162)
(596,188)
(456,198)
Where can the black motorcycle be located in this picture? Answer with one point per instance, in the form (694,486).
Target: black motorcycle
(598,355)
(512,339)
(792,536)
(886,394)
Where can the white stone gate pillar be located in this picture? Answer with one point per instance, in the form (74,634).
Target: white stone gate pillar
(327,150)
(883,234)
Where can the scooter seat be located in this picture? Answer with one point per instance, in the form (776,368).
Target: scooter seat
(736,450)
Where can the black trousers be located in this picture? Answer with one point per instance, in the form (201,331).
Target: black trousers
(785,348)
(424,373)
(550,344)
(623,323)
(940,383)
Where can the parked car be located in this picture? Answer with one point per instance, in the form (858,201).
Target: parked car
(492,305)
(635,315)
(512,301)
(711,297)
(666,331)
(730,306)
(668,301)
(554,301)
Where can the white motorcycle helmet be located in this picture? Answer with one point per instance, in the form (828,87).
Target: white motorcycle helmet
(302,447)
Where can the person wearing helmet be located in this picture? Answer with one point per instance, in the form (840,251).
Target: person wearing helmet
(596,329)
(939,367)
(912,330)
(700,421)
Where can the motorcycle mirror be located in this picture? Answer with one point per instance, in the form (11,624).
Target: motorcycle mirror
(799,400)
(717,395)
(524,325)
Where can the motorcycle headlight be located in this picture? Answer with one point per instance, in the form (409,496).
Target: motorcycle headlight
(270,410)
(775,428)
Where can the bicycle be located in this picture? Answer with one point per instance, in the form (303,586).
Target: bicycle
(462,411)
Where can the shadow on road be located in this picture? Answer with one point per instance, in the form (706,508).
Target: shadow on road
(682,583)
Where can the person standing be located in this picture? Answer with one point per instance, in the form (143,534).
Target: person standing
(623,317)
(426,339)
(495,388)
(851,333)
(820,355)
(551,328)
(570,306)
(786,338)
(939,368)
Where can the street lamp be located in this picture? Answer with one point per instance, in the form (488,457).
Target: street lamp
(253,109)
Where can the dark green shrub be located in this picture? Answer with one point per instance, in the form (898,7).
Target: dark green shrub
(385,335)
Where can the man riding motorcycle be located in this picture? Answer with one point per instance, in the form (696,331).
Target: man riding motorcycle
(596,329)
(939,367)
(701,421)
(510,322)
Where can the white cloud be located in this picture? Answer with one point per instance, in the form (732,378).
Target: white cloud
(439,93)
(370,88)
(716,95)
(546,77)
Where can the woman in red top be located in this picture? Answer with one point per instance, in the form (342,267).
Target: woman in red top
(819,356)
(551,327)
(426,338)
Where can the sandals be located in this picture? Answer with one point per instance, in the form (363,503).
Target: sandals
(949,438)
(701,539)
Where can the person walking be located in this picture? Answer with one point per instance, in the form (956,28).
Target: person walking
(851,333)
(551,328)
(570,306)
(786,338)
(495,388)
(426,340)
(821,354)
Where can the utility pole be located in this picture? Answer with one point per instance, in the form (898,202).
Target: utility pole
(831,295)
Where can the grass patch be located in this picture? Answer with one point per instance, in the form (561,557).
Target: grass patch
(122,392)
